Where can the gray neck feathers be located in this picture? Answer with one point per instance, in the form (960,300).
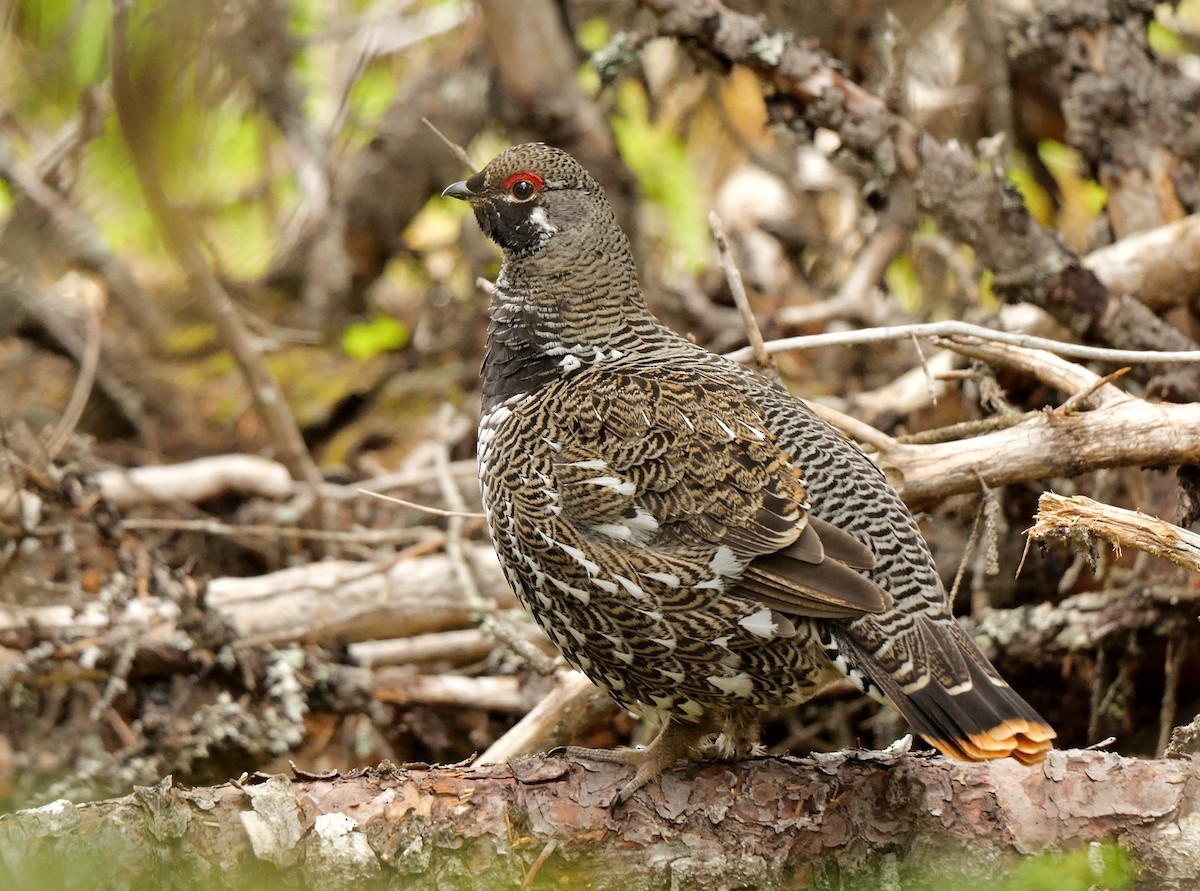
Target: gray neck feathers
(562,308)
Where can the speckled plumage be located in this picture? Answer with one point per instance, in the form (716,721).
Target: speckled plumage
(689,535)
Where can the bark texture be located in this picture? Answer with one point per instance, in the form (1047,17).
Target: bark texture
(863,819)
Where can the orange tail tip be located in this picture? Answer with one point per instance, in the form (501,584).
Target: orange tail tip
(1026,741)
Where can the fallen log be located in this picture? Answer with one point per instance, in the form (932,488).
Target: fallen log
(858,819)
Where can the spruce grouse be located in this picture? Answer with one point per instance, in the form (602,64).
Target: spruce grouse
(691,536)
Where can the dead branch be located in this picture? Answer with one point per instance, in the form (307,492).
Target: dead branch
(1159,267)
(1075,518)
(195,481)
(955,331)
(569,709)
(860,815)
(1131,433)
(339,601)
(452,647)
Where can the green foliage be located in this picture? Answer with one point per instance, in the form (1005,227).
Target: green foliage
(1102,865)
(62,47)
(592,35)
(659,160)
(366,339)
(1064,164)
(902,281)
(372,93)
(1166,41)
(1037,201)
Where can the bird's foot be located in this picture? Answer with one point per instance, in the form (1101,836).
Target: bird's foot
(673,742)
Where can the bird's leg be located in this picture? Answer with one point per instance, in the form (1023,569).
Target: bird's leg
(674,741)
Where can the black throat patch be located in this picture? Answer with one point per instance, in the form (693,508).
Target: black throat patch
(518,227)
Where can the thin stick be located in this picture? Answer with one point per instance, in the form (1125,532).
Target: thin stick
(1176,653)
(234,530)
(424,508)
(930,383)
(1080,398)
(952,331)
(853,427)
(83,383)
(734,276)
(458,150)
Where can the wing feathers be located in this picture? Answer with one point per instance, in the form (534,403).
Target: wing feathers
(828,589)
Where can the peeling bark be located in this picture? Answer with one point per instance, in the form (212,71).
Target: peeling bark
(846,819)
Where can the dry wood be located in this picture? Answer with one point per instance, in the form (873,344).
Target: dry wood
(573,705)
(403,687)
(1077,517)
(1159,267)
(1129,433)
(809,91)
(340,601)
(769,822)
(454,647)
(194,481)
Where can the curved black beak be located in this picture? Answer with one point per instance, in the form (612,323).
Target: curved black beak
(459,190)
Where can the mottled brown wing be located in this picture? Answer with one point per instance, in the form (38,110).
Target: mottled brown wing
(666,467)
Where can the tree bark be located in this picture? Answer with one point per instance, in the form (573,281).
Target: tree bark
(842,820)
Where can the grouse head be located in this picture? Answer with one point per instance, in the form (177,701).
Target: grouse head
(531,195)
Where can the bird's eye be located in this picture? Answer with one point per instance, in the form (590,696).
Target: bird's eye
(523,186)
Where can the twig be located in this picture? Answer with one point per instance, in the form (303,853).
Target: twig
(1080,397)
(424,508)
(83,383)
(964,429)
(402,687)
(733,275)
(195,481)
(1052,370)
(968,553)
(461,646)
(930,383)
(870,264)
(401,479)
(458,150)
(238,530)
(534,868)
(180,237)
(571,707)
(955,332)
(1172,667)
(853,428)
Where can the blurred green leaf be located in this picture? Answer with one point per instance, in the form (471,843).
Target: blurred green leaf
(592,35)
(902,281)
(372,93)
(1020,174)
(366,339)
(659,160)
(1064,163)
(89,55)
(1166,41)
(1100,865)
